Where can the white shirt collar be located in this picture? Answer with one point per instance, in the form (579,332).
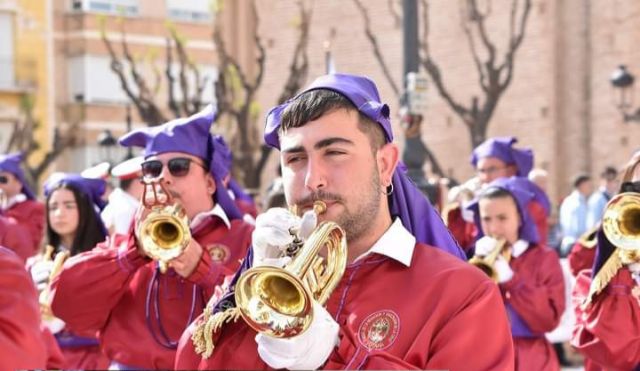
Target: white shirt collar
(519,247)
(216,211)
(396,243)
(20,197)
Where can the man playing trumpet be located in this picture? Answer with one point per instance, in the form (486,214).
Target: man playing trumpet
(118,290)
(406,299)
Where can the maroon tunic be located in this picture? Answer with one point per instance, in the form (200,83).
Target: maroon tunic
(22,227)
(537,294)
(106,290)
(439,313)
(607,331)
(22,342)
(581,258)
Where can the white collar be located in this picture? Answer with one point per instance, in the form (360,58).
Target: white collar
(216,211)
(519,247)
(20,197)
(396,243)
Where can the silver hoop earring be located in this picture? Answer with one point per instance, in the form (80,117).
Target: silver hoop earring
(389,192)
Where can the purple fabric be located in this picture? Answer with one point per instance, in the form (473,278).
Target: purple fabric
(539,195)
(528,230)
(187,135)
(10,163)
(519,328)
(502,148)
(224,157)
(92,188)
(604,249)
(406,201)
(68,340)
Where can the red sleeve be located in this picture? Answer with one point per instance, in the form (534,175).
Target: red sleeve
(539,296)
(608,330)
(92,283)
(455,346)
(15,238)
(55,358)
(463,231)
(30,222)
(21,342)
(581,258)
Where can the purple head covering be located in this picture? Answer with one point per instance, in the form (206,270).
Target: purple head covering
(224,156)
(502,148)
(406,201)
(539,195)
(187,135)
(10,163)
(522,196)
(92,188)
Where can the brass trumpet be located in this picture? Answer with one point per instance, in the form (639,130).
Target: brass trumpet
(486,263)
(621,225)
(164,233)
(278,301)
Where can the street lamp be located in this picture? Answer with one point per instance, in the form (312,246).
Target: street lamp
(622,80)
(107,142)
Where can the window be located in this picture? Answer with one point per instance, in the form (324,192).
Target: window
(7,67)
(189,10)
(118,7)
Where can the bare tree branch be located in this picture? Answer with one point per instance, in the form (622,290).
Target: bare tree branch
(373,40)
(395,13)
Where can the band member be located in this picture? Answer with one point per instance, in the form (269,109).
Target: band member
(73,226)
(335,144)
(607,301)
(497,158)
(138,310)
(20,213)
(527,271)
(124,200)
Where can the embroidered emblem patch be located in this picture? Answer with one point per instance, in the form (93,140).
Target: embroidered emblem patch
(379,330)
(219,253)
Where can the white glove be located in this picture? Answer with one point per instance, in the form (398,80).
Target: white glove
(273,233)
(485,245)
(504,271)
(634,268)
(307,351)
(40,272)
(54,324)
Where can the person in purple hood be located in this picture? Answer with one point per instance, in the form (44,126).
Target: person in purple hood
(527,271)
(139,311)
(21,215)
(407,299)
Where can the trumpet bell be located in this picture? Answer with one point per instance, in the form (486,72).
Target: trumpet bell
(277,303)
(164,234)
(621,221)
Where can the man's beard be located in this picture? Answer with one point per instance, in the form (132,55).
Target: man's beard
(357,222)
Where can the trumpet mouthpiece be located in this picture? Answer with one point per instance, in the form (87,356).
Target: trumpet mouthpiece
(319,207)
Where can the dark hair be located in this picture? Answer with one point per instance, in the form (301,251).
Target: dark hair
(89,232)
(126,183)
(609,173)
(493,193)
(314,104)
(578,180)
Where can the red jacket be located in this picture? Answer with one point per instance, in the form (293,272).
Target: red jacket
(537,294)
(607,331)
(22,228)
(22,343)
(438,313)
(106,290)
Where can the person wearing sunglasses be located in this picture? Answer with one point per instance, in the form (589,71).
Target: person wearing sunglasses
(139,311)
(73,205)
(498,158)
(22,217)
(607,299)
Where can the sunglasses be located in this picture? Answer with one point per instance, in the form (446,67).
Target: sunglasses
(630,187)
(178,167)
(4,179)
